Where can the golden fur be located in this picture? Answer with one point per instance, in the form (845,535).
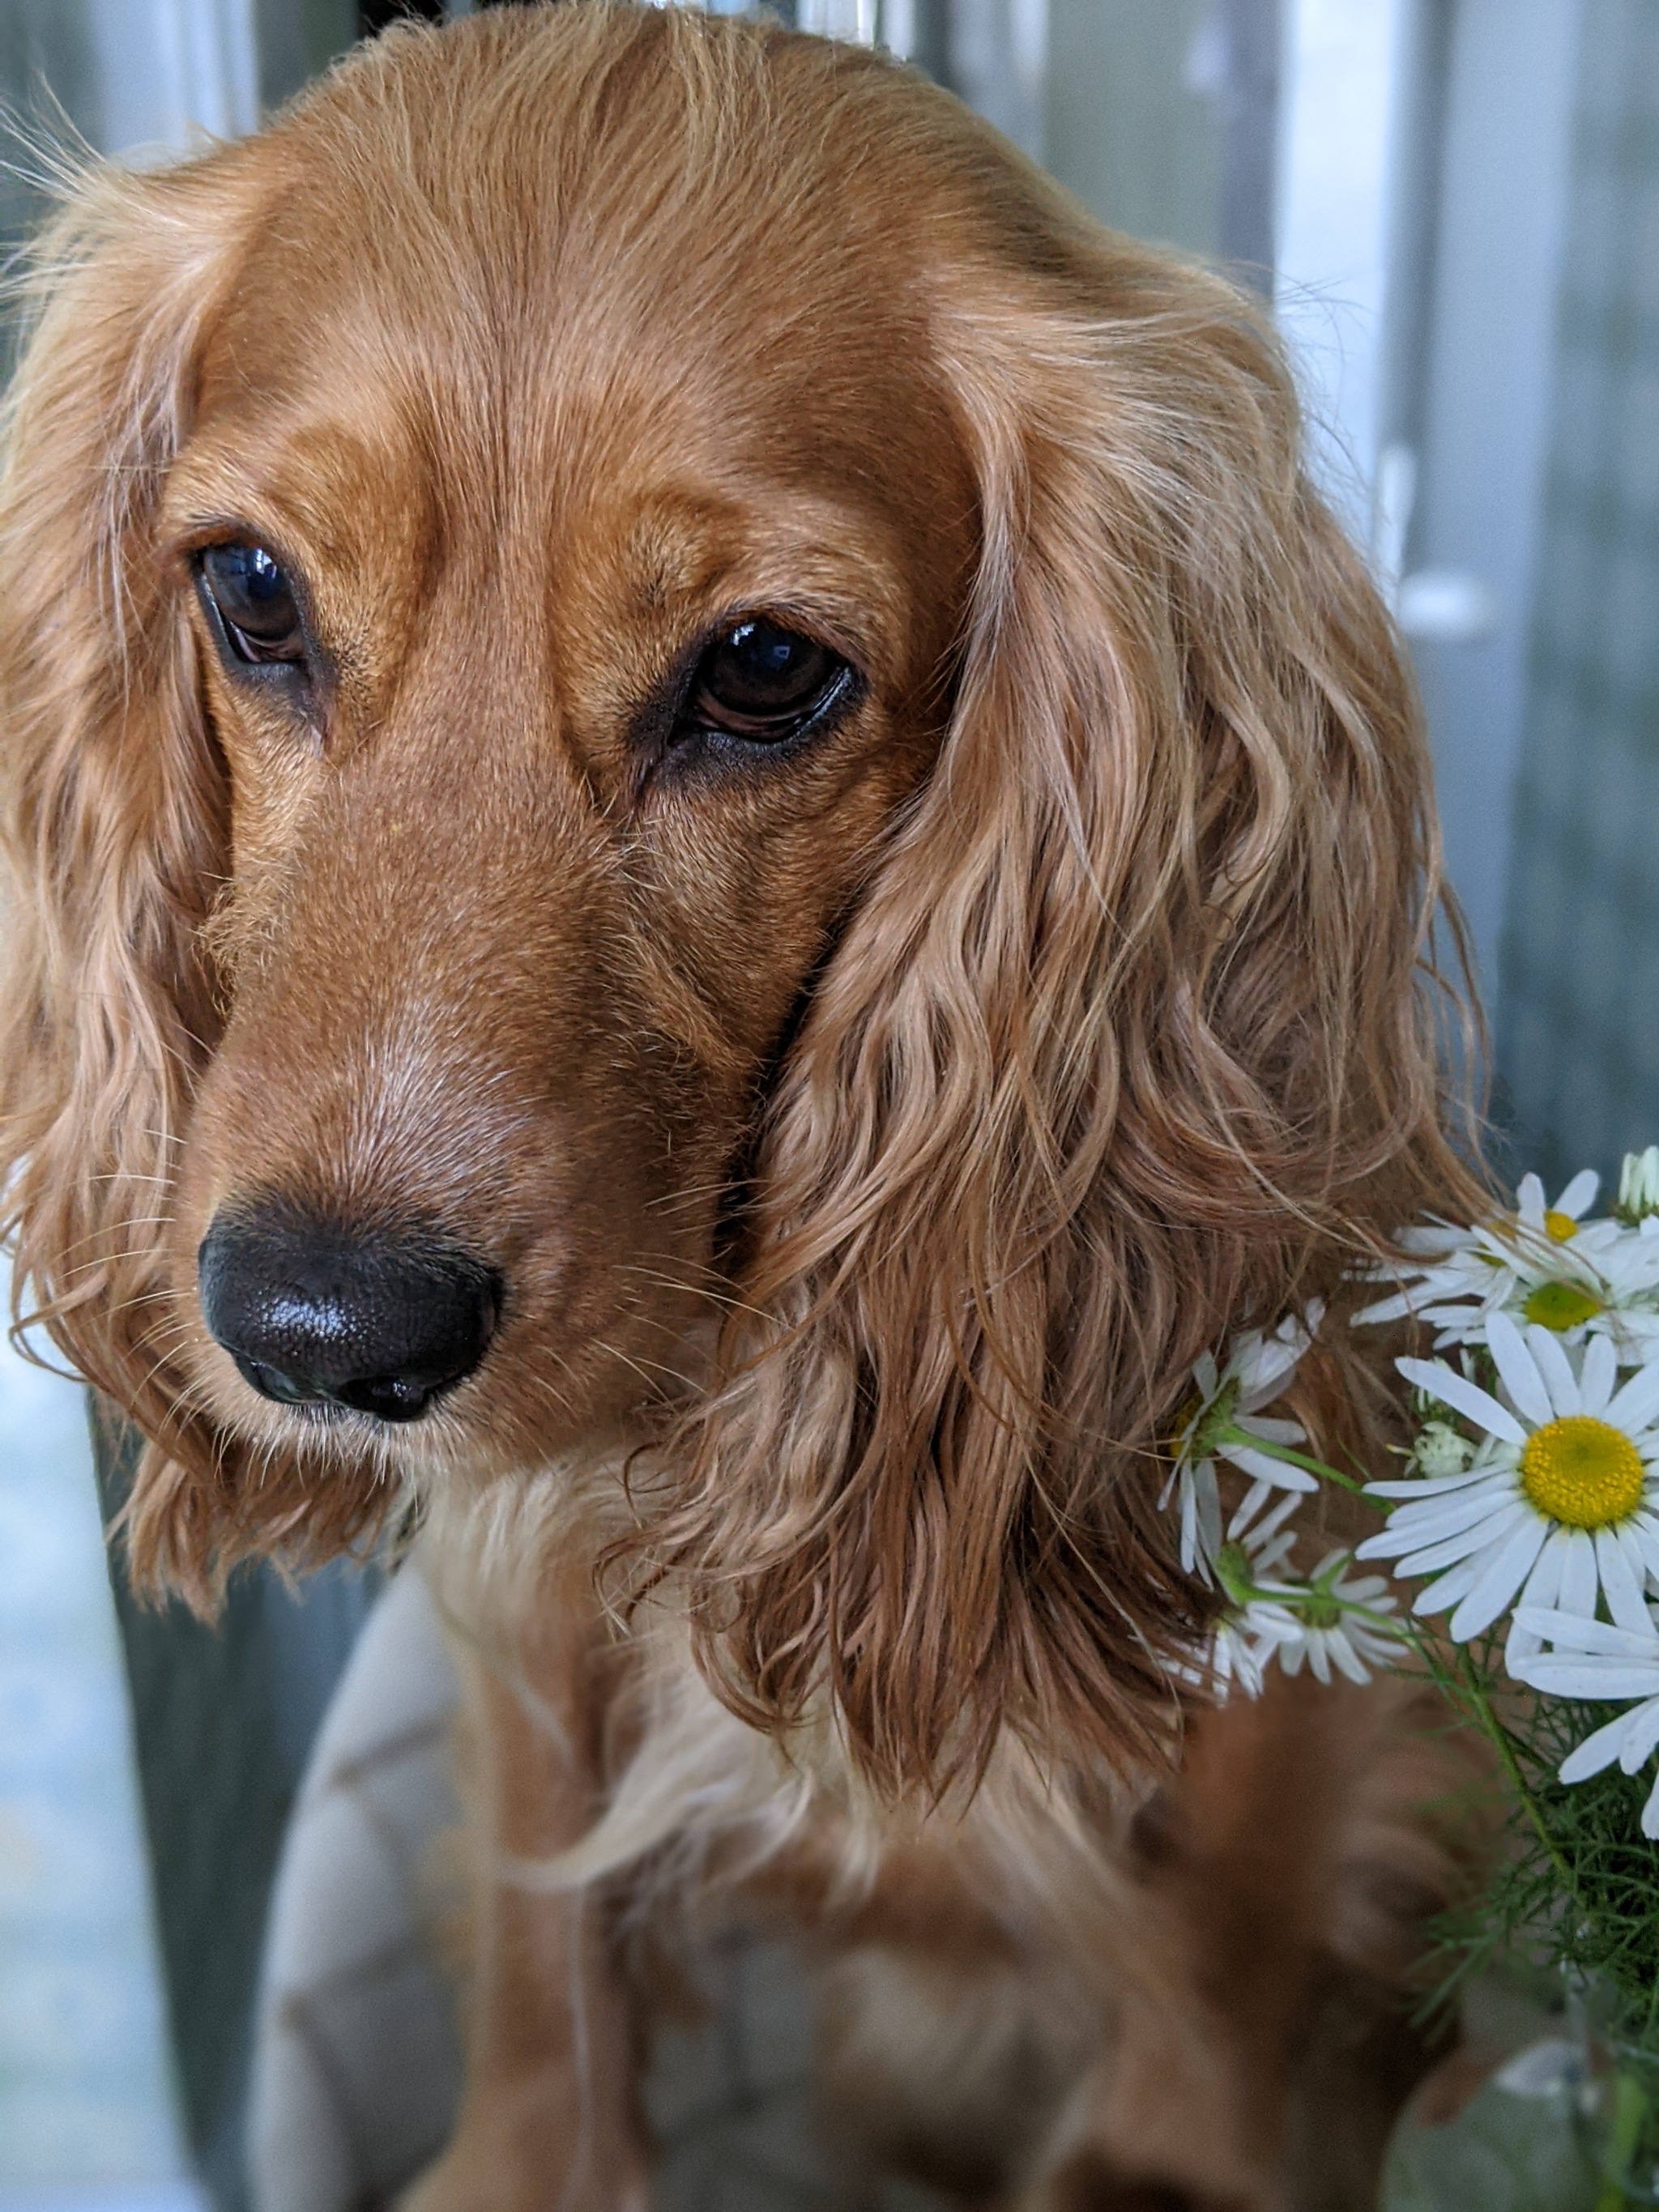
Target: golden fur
(869,1137)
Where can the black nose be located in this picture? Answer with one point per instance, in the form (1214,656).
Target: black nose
(314,1312)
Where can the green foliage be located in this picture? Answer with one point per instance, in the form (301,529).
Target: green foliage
(1576,1894)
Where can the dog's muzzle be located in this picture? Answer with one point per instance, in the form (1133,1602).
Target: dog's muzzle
(317,1313)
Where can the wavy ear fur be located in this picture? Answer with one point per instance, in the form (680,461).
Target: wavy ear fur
(114,828)
(1130,1043)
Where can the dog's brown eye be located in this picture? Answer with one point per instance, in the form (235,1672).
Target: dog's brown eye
(255,603)
(764,683)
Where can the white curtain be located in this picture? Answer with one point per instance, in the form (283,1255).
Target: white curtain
(170,71)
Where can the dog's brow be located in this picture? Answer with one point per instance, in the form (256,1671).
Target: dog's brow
(671,556)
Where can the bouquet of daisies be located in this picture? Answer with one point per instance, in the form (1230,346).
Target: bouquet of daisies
(1520,1546)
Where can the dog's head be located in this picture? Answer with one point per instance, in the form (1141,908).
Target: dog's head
(645,686)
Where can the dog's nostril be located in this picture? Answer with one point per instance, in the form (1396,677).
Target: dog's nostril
(315,1312)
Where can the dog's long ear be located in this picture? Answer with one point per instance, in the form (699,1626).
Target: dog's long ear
(1126,1046)
(114,806)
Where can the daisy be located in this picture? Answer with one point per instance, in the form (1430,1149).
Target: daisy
(1325,1619)
(1222,1420)
(1340,1622)
(1593,1659)
(1593,1277)
(1543,1264)
(1256,1621)
(1477,1266)
(1559,1502)
(1561,1222)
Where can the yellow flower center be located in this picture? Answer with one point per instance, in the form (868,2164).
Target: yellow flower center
(1561,1305)
(1584,1472)
(1559,1227)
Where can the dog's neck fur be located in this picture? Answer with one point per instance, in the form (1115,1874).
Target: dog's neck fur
(684,1791)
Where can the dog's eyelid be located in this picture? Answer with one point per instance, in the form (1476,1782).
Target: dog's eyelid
(192,536)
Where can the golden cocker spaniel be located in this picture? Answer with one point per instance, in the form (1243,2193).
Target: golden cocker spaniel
(711,851)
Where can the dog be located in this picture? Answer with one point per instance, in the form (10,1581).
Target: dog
(711,850)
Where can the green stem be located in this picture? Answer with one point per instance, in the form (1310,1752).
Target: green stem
(1499,1737)
(1233,1435)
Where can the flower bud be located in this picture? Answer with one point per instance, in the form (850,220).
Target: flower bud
(1439,1450)
(1638,1186)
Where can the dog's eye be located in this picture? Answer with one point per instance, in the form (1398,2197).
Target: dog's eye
(255,602)
(764,683)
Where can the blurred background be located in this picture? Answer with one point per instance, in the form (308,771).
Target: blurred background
(1454,207)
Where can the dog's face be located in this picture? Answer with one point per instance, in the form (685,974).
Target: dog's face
(570,662)
(675,752)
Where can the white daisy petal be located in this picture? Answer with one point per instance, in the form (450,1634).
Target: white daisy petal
(1579,1583)
(1266,1469)
(1601,1371)
(1200,1518)
(1600,1638)
(1529,1202)
(1519,1370)
(1433,1485)
(1347,1658)
(1586,1678)
(1265,1370)
(1500,1582)
(1580,1194)
(1467,1398)
(1410,1525)
(1457,1325)
(1650,1813)
(1464,1325)
(1550,1357)
(1370,1589)
(1273,1432)
(1209,1520)
(1641,1737)
(1475,1544)
(1635,1406)
(1492,1248)
(1632,1545)
(1542,1586)
(1250,1505)
(1486,1541)
(1430,1237)
(1451,1588)
(1621,1588)
(1644,1529)
(1276,1520)
(1596,1751)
